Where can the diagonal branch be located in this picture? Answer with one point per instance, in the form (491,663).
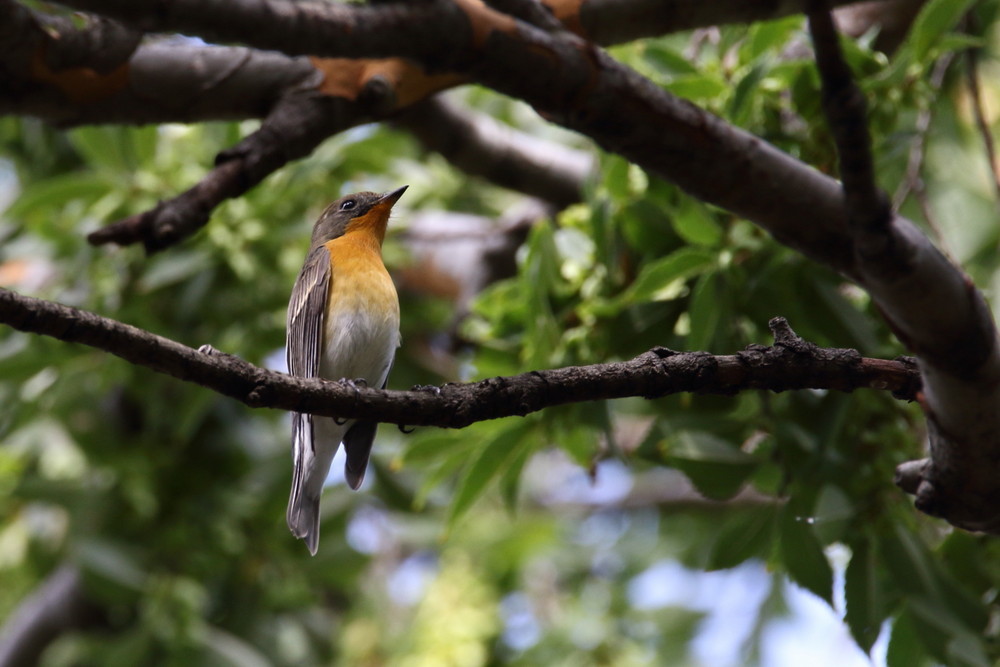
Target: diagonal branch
(99,97)
(174,219)
(566,79)
(932,307)
(790,364)
(292,130)
(58,606)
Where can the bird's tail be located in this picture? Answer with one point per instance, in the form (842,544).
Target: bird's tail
(311,459)
(303,514)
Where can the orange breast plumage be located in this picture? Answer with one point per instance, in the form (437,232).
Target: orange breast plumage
(361,331)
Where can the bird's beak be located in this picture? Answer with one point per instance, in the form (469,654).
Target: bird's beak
(391,198)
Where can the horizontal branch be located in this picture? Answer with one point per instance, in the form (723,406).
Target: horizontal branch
(602,21)
(790,364)
(67,75)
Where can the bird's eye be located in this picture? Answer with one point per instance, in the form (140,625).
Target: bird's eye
(348,205)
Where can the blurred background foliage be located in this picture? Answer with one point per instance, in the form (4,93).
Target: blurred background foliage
(702,530)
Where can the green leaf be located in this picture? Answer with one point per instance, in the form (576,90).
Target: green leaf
(803,555)
(717,468)
(432,446)
(770,36)
(230,649)
(699,87)
(103,147)
(108,567)
(918,573)
(169,269)
(705,311)
(935,19)
(41,197)
(655,281)
(865,611)
(905,644)
(747,90)
(946,636)
(510,481)
(694,223)
(705,446)
(743,536)
(968,649)
(493,460)
(666,59)
(616,178)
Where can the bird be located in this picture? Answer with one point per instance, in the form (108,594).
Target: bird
(343,324)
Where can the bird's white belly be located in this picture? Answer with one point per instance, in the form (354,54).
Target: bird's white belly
(359,344)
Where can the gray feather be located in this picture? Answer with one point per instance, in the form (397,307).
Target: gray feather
(304,343)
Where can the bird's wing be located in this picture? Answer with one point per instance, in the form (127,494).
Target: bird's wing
(358,446)
(303,347)
(306,312)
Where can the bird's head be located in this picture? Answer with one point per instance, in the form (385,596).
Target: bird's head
(361,211)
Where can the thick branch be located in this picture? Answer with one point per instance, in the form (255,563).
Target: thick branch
(601,21)
(567,80)
(173,220)
(70,76)
(933,308)
(790,364)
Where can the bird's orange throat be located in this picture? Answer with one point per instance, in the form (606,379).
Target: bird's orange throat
(372,223)
(359,243)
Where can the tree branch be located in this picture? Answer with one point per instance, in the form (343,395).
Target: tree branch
(171,221)
(56,607)
(161,82)
(790,364)
(568,81)
(933,308)
(868,209)
(979,113)
(292,130)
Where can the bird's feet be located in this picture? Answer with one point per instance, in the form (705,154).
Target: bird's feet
(357,384)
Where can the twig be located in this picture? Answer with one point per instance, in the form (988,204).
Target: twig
(985,133)
(868,209)
(913,182)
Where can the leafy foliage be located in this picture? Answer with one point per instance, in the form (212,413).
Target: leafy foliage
(491,544)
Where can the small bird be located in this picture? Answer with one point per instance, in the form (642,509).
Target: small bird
(343,323)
